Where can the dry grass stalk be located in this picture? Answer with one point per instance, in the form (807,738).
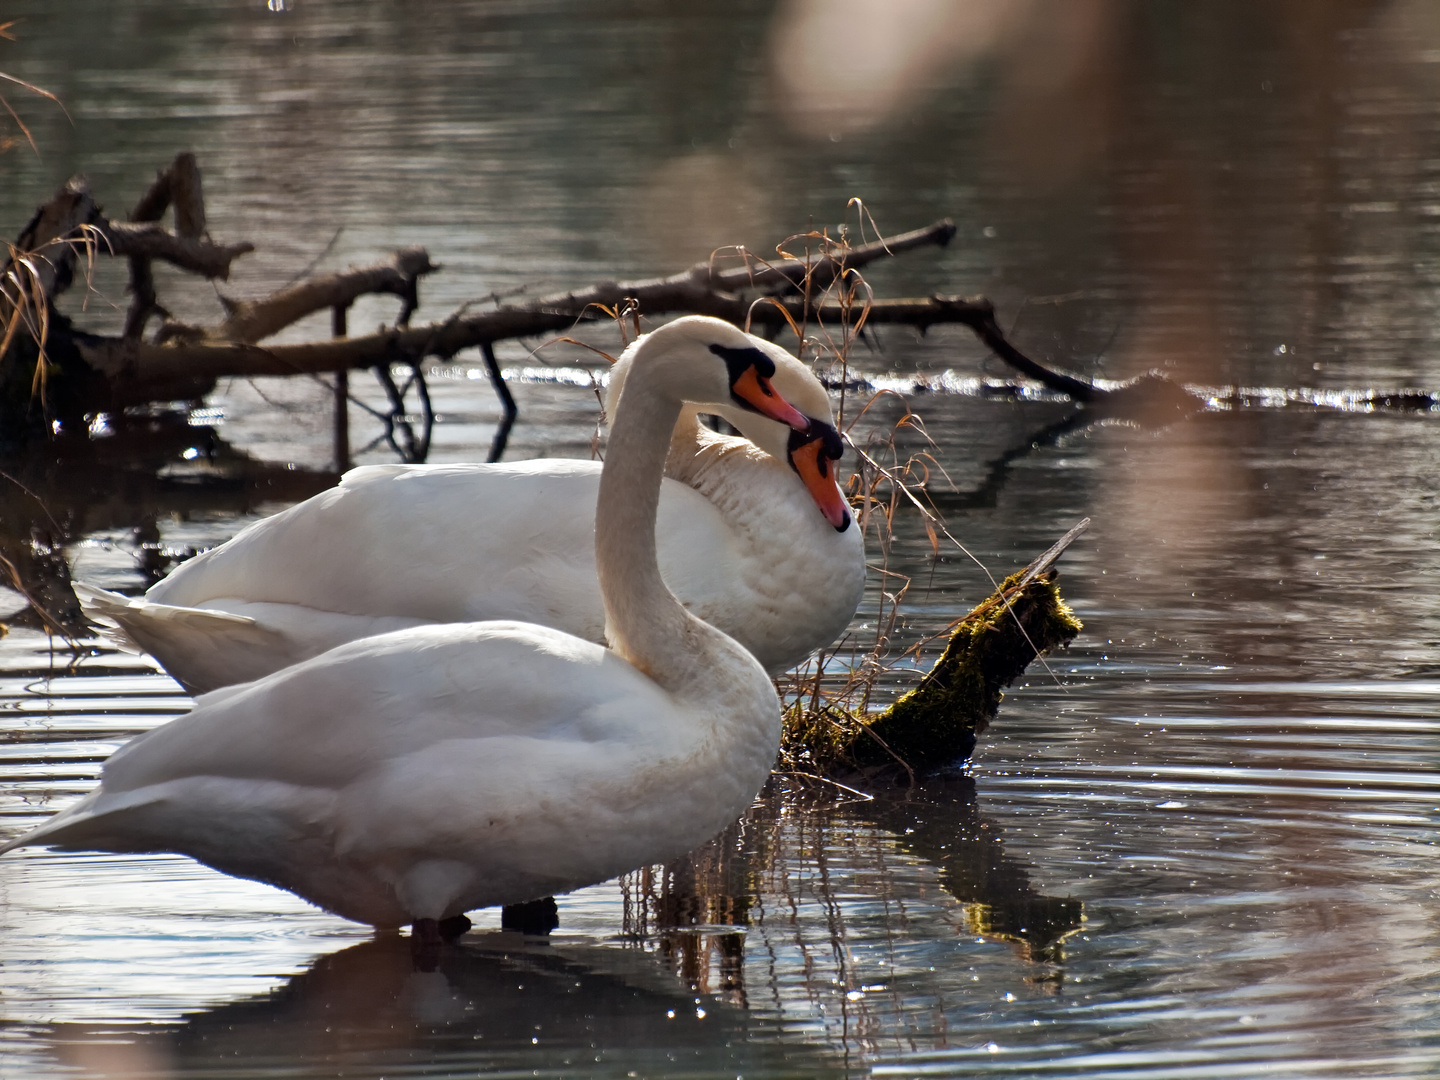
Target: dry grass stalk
(831,729)
(8,141)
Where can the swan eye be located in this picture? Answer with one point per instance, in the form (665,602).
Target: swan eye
(750,371)
(737,360)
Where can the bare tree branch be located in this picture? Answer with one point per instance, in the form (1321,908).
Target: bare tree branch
(690,291)
(178,184)
(184,361)
(250,321)
(151,240)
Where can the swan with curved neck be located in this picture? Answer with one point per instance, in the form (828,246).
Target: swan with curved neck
(416,775)
(403,545)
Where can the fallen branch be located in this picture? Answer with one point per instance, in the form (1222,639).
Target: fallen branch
(680,293)
(108,373)
(1151,393)
(135,364)
(43,254)
(250,321)
(179,184)
(150,240)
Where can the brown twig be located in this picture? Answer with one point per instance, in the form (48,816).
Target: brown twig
(177,184)
(250,321)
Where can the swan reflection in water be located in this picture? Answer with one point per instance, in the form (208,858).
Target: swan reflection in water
(857,864)
(496,1000)
(764,951)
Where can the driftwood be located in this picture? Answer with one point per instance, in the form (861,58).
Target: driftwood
(700,290)
(95,373)
(51,371)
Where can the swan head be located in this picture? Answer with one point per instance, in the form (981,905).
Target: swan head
(812,455)
(683,354)
(793,380)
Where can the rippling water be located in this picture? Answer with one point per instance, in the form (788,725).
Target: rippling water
(1201,843)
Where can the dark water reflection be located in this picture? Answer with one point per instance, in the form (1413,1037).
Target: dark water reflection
(1202,844)
(497,1004)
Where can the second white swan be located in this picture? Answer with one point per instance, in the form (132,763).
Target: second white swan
(754,537)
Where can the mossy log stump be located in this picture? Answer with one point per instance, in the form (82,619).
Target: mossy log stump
(935,725)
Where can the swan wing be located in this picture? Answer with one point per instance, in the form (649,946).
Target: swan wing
(398,540)
(396,546)
(327,721)
(540,757)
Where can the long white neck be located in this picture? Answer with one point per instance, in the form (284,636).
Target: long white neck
(644,621)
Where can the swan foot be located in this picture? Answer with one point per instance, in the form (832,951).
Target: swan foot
(425,943)
(453,927)
(536,917)
(428,935)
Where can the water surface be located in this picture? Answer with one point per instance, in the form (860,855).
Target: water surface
(1199,844)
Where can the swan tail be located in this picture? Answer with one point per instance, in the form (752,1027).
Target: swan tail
(202,648)
(78,827)
(118,615)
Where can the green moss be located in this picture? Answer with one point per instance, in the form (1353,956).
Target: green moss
(936,724)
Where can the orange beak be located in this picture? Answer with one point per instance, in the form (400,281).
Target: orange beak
(753,389)
(811,460)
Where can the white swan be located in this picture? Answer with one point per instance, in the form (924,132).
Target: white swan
(742,543)
(411,777)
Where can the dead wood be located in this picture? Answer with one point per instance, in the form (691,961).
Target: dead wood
(178,184)
(699,290)
(250,321)
(767,292)
(1151,394)
(41,263)
(150,240)
(935,725)
(143,301)
(688,292)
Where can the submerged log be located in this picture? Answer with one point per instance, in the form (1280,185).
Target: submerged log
(935,725)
